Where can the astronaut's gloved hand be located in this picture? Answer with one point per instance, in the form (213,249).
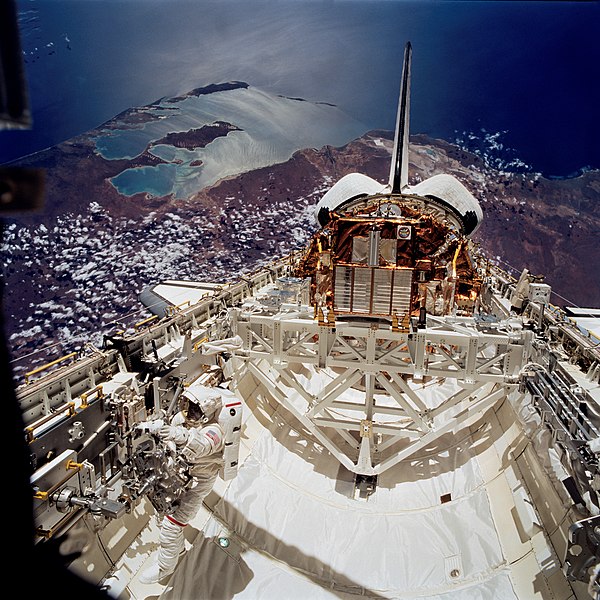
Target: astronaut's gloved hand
(594,445)
(154,427)
(165,432)
(174,433)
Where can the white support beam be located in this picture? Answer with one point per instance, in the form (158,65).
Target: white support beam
(277,340)
(420,406)
(350,425)
(329,394)
(416,348)
(350,349)
(401,349)
(397,396)
(360,354)
(301,344)
(260,339)
(281,397)
(482,368)
(479,406)
(354,444)
(395,411)
(451,359)
(471,360)
(291,380)
(364,465)
(365,462)
(456,399)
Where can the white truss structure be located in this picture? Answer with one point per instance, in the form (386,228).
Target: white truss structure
(369,409)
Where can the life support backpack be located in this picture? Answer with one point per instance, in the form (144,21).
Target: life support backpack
(230,421)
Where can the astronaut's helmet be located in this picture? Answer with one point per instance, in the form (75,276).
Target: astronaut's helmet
(200,404)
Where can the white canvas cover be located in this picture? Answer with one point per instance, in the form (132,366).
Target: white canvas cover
(294,530)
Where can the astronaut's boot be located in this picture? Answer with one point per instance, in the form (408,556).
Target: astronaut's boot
(172,546)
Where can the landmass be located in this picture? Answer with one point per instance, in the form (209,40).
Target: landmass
(546,225)
(132,118)
(196,138)
(208,89)
(72,272)
(68,187)
(298,99)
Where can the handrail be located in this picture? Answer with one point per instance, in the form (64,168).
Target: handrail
(70,407)
(172,310)
(226,288)
(144,322)
(86,395)
(48,365)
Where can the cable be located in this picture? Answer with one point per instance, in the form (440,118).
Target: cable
(36,352)
(105,325)
(552,291)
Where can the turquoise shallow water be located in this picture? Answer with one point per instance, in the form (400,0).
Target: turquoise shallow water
(123,144)
(156,181)
(271,129)
(526,68)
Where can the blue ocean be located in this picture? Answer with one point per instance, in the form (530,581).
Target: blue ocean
(521,77)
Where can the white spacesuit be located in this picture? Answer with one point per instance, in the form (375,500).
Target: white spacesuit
(200,440)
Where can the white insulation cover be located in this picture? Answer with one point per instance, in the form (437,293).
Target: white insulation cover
(295,532)
(179,294)
(450,190)
(348,187)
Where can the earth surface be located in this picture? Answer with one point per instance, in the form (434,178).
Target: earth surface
(214,183)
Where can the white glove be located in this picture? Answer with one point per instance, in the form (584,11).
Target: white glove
(594,445)
(151,426)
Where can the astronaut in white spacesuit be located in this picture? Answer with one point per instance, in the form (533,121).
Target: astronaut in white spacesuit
(200,440)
